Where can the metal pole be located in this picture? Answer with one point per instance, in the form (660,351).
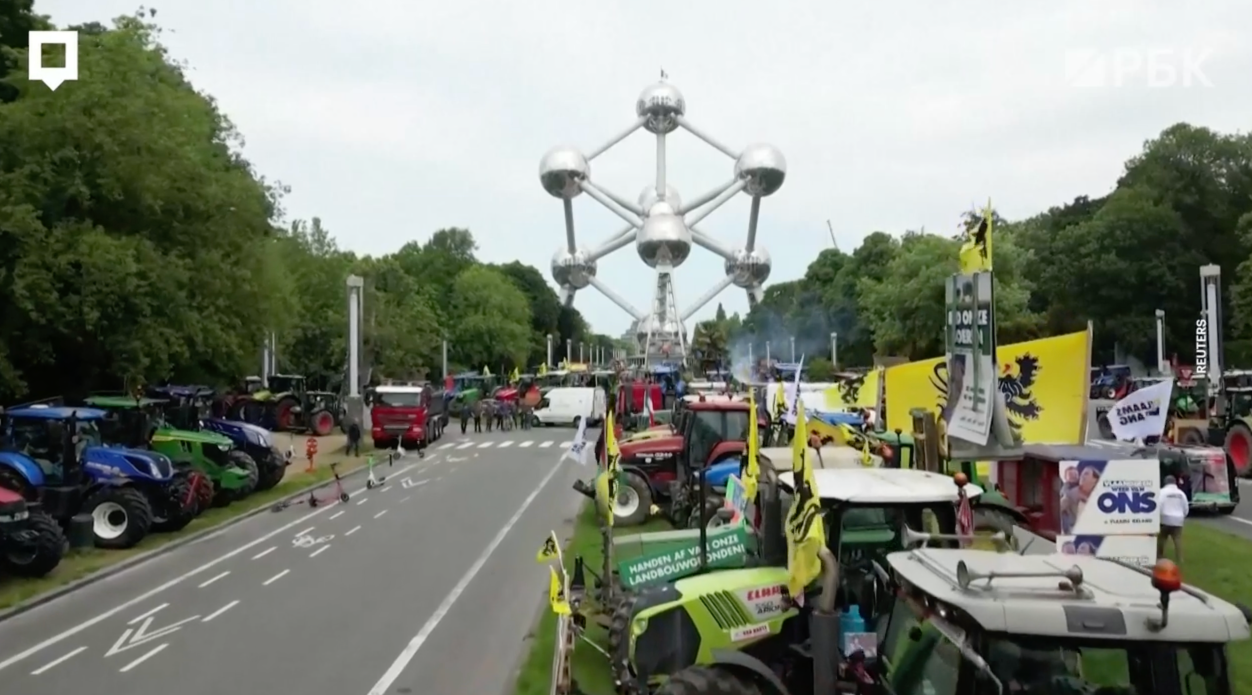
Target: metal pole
(793,349)
(767,356)
(355,283)
(1161,365)
(834,350)
(549,362)
(569,351)
(445,359)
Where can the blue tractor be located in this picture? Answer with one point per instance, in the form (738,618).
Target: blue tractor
(54,455)
(191,409)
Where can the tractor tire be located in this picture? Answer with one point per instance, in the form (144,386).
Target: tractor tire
(619,644)
(708,515)
(121,517)
(1239,446)
(1106,430)
(204,491)
(42,556)
(184,508)
(1192,437)
(284,418)
(270,475)
(244,462)
(637,490)
(708,680)
(321,423)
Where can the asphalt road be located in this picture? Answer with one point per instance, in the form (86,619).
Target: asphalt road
(426,585)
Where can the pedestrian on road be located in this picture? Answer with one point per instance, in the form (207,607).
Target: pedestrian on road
(354,439)
(478,416)
(490,414)
(464,415)
(1174,509)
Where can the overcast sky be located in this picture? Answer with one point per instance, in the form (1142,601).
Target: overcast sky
(391,119)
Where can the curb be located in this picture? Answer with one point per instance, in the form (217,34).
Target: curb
(106,572)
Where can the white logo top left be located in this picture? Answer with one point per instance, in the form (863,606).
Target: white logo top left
(53,77)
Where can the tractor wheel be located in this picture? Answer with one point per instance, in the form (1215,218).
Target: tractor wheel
(43,554)
(708,517)
(1106,430)
(121,517)
(204,491)
(1239,445)
(634,500)
(708,680)
(183,505)
(244,462)
(1192,437)
(284,414)
(270,475)
(619,644)
(322,423)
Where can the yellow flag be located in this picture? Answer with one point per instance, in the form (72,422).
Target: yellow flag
(610,442)
(551,549)
(805,533)
(606,480)
(557,596)
(780,402)
(752,472)
(515,376)
(543,369)
(976,251)
(486,370)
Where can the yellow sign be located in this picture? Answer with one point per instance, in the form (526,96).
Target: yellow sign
(1044,383)
(861,392)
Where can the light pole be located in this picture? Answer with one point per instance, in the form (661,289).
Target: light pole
(1160,342)
(569,351)
(834,350)
(549,362)
(793,349)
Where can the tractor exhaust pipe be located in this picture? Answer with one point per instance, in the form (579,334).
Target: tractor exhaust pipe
(773,540)
(824,627)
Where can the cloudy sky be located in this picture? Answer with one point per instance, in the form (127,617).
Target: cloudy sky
(392,119)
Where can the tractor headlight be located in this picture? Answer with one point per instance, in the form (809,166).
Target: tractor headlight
(154,469)
(16,516)
(224,447)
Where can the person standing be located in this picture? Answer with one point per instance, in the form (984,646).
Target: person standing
(489,411)
(464,416)
(1174,509)
(354,438)
(478,416)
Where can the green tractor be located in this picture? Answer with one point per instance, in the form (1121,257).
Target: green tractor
(297,408)
(138,423)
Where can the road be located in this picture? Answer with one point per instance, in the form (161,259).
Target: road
(425,585)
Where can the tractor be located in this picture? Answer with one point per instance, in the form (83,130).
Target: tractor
(292,407)
(223,473)
(31,542)
(54,455)
(1112,382)
(190,408)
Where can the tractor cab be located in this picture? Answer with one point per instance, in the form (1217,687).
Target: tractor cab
(1112,382)
(713,431)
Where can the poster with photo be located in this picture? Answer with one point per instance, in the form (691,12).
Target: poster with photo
(1136,550)
(1110,497)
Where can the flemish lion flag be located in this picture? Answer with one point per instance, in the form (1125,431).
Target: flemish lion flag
(515,376)
(551,549)
(606,480)
(805,533)
(543,369)
(976,251)
(557,594)
(752,471)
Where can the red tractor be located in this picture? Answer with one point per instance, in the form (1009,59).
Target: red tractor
(706,433)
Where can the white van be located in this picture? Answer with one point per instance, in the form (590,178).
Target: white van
(562,405)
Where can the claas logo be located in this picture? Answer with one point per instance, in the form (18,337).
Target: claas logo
(766,592)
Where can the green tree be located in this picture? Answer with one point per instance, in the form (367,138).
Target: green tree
(492,325)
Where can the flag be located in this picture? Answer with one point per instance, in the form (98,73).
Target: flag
(794,397)
(964,519)
(1142,414)
(515,376)
(752,470)
(606,480)
(780,402)
(647,405)
(976,251)
(557,595)
(543,369)
(578,450)
(486,370)
(806,535)
(551,549)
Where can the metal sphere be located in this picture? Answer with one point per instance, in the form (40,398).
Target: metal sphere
(561,170)
(649,198)
(660,103)
(573,270)
(664,238)
(764,167)
(749,268)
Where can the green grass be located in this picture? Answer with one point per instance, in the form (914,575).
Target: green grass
(81,563)
(590,670)
(1213,560)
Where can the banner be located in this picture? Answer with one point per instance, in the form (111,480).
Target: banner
(1137,550)
(971,357)
(1142,414)
(1110,498)
(1044,383)
(857,392)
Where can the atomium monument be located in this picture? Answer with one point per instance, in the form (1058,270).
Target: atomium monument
(661,225)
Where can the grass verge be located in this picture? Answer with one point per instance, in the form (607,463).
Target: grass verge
(1213,560)
(81,563)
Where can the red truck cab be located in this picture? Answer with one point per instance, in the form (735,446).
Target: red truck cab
(398,417)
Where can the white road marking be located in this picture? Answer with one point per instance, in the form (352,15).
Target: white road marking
(380,513)
(336,515)
(449,445)
(301,533)
(222,610)
(143,658)
(362,501)
(354,530)
(210,581)
(505,445)
(263,553)
(406,499)
(466,445)
(566,445)
(319,551)
(484,445)
(546,444)
(410,650)
(149,614)
(1232,517)
(525,444)
(275,578)
(56,662)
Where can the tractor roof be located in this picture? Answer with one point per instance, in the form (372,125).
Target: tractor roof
(883,485)
(716,404)
(394,389)
(122,402)
(1107,451)
(1113,600)
(43,412)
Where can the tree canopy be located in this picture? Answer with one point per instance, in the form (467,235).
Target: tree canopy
(137,244)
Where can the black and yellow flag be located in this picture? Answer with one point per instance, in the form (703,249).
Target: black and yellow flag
(752,471)
(976,251)
(551,549)
(558,593)
(606,479)
(806,534)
